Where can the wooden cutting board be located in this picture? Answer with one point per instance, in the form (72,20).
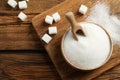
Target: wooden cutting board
(53,48)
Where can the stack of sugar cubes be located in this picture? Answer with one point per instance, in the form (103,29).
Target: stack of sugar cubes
(22,5)
(56,17)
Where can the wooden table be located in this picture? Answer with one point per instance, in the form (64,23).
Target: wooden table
(22,57)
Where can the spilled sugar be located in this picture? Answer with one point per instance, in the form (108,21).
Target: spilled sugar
(100,14)
(91,51)
(88,52)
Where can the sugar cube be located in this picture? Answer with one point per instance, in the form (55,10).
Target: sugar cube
(22,16)
(46,38)
(49,19)
(56,17)
(83,9)
(22,4)
(12,3)
(52,30)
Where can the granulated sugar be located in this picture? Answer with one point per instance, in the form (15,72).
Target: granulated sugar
(100,14)
(90,51)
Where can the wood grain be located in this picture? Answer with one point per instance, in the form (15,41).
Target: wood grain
(24,65)
(53,48)
(17,35)
(18,40)
(29,65)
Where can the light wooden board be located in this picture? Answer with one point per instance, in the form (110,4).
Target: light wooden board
(53,48)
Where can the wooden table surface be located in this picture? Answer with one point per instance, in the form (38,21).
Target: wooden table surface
(22,57)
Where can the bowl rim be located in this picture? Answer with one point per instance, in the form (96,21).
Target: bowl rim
(81,68)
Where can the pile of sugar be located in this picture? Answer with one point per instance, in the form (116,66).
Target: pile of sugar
(90,51)
(100,14)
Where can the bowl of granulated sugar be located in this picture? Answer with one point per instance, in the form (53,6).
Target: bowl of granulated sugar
(88,52)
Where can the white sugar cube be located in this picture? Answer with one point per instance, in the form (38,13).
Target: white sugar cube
(83,9)
(52,30)
(56,17)
(22,4)
(12,3)
(49,19)
(22,16)
(46,38)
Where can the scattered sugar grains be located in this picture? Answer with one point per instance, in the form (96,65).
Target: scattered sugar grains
(100,14)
